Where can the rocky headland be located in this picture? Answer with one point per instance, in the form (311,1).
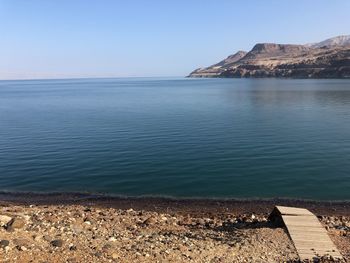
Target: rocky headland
(327,59)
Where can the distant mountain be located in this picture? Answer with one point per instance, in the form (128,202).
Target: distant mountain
(266,50)
(216,69)
(330,42)
(231,59)
(327,59)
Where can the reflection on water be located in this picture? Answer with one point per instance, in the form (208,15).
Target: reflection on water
(275,91)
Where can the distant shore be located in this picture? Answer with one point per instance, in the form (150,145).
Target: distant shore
(328,59)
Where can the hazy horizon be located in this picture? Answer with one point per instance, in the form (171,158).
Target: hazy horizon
(65,39)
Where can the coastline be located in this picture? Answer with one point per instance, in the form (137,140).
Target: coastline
(76,227)
(161,204)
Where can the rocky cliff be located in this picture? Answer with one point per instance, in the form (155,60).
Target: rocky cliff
(326,59)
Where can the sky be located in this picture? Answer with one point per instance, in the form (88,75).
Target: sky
(151,38)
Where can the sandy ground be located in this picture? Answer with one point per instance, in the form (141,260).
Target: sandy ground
(101,233)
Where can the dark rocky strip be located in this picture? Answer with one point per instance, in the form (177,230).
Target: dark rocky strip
(197,206)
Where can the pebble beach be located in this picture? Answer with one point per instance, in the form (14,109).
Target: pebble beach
(105,231)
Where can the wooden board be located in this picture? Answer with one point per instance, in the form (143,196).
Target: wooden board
(310,238)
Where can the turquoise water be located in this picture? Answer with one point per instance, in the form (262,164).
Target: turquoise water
(177,137)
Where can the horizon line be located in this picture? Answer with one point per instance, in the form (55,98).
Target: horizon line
(77,78)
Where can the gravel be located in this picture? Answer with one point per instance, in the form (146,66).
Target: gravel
(79,233)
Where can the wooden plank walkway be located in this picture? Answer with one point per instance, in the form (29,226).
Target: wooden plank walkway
(310,238)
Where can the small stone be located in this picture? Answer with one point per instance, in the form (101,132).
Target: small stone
(21,242)
(131,227)
(57,243)
(201,221)
(106,247)
(114,255)
(185,221)
(72,247)
(4,243)
(4,220)
(149,221)
(23,248)
(15,223)
(77,229)
(47,238)
(37,237)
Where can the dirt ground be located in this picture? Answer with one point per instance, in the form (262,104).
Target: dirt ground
(96,232)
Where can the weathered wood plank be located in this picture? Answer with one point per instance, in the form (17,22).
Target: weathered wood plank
(307,233)
(286,210)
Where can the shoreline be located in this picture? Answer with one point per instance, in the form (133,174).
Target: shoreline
(198,206)
(76,227)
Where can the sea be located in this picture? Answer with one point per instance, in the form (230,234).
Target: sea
(177,137)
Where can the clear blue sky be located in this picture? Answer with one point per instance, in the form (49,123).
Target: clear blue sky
(102,38)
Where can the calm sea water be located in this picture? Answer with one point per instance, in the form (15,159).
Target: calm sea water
(177,137)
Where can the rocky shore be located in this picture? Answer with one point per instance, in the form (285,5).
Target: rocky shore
(105,231)
(327,59)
